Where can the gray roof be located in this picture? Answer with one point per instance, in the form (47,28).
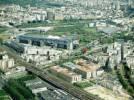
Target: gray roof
(70,65)
(110,30)
(33,82)
(36,86)
(43,37)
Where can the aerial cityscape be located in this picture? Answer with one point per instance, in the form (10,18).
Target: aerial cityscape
(66,49)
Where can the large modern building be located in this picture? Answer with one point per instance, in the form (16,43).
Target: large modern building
(55,41)
(16,46)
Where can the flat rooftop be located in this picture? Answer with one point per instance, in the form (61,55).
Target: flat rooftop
(70,65)
(64,71)
(86,66)
(87,69)
(33,82)
(37,86)
(53,37)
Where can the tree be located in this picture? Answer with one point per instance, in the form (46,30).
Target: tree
(84,50)
(13,92)
(1,40)
(20,88)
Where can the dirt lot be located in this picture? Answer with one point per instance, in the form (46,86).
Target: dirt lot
(106,94)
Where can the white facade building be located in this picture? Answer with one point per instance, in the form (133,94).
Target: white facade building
(6,62)
(65,74)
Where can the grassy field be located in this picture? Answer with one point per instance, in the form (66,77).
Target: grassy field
(84,33)
(33,24)
(79,28)
(2,29)
(26,78)
(51,23)
(83,84)
(3,36)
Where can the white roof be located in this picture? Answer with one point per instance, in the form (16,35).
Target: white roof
(54,37)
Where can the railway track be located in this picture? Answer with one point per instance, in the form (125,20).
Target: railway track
(78,93)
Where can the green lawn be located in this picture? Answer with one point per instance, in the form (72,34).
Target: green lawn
(26,78)
(4,36)
(83,84)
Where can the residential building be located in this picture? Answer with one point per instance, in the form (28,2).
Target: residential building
(70,65)
(86,69)
(36,86)
(65,74)
(5,61)
(17,72)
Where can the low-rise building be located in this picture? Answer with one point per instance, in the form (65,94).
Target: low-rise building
(66,74)
(70,65)
(36,86)
(87,70)
(41,55)
(16,72)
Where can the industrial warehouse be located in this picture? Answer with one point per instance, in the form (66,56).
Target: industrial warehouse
(54,41)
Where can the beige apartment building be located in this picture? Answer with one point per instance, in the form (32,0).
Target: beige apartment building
(87,70)
(65,74)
